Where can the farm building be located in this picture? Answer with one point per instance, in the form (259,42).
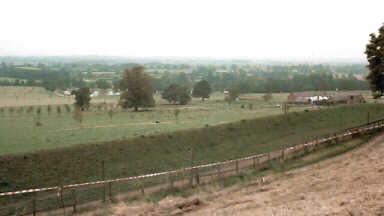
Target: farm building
(307,97)
(346,99)
(324,97)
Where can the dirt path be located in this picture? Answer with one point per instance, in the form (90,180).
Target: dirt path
(349,184)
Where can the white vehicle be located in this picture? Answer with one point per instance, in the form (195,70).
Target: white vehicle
(95,94)
(111,93)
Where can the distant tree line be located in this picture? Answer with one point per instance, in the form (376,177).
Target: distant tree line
(265,84)
(244,77)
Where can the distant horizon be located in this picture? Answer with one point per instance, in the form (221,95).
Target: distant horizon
(202,58)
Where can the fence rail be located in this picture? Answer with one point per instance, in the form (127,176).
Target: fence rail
(62,197)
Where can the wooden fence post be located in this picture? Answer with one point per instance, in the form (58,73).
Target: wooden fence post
(182,176)
(110,191)
(254,162)
(282,154)
(62,199)
(237,167)
(218,172)
(197,176)
(142,188)
(74,200)
(191,170)
(103,178)
(170,178)
(34,204)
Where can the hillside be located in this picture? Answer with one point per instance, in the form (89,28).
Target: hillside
(348,184)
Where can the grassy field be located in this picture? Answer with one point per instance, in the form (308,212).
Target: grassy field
(19,133)
(62,150)
(152,153)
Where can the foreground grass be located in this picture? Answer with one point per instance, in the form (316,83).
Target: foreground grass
(153,153)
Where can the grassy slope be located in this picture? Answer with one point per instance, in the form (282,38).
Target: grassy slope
(147,154)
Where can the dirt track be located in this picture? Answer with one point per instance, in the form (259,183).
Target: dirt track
(349,184)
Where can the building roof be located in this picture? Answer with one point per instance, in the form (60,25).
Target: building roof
(310,94)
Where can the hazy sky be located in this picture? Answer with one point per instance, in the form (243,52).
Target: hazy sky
(258,29)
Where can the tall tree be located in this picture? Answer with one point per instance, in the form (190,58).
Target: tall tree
(176,94)
(82,98)
(375,56)
(136,89)
(202,90)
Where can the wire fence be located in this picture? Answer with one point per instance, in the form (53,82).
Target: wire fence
(68,198)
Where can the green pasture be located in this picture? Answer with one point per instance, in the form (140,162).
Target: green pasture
(147,153)
(19,133)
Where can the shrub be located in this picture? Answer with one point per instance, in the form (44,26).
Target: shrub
(176,112)
(49,108)
(58,110)
(267,97)
(29,110)
(38,110)
(67,108)
(110,113)
(11,110)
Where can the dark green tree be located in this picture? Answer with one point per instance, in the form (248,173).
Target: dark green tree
(103,84)
(202,90)
(49,85)
(82,98)
(375,56)
(136,89)
(176,94)
(233,94)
